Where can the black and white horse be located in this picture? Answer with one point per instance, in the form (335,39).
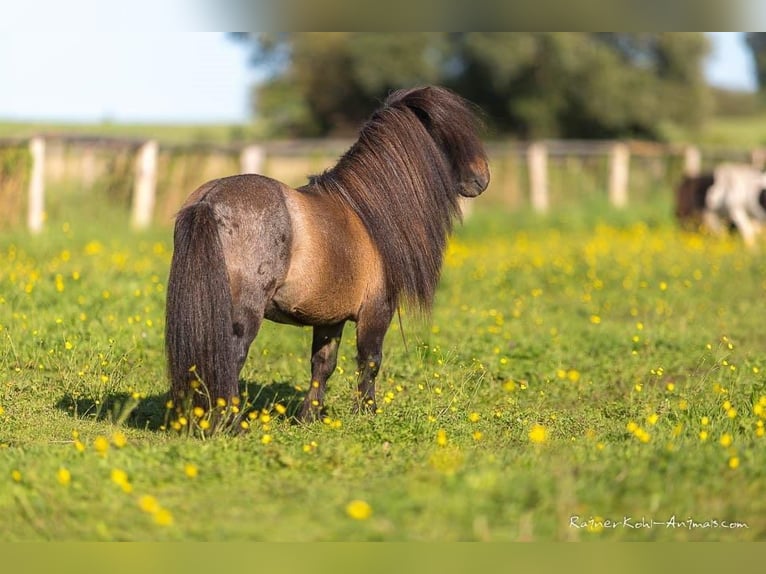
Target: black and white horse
(733,194)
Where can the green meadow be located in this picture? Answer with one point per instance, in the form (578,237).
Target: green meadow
(588,375)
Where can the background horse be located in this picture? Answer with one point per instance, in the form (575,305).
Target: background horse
(348,246)
(690,199)
(732,195)
(737,195)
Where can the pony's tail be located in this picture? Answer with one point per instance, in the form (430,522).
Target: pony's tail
(198,318)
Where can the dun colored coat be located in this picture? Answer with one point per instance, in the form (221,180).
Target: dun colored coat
(350,245)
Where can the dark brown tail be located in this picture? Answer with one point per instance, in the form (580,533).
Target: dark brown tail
(198,318)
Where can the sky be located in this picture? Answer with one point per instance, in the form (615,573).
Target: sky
(166,76)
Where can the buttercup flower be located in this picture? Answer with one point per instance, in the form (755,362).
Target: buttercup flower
(359,509)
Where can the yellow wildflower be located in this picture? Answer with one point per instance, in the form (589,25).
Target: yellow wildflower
(163,517)
(119,439)
(596,525)
(149,504)
(101,444)
(64,476)
(359,509)
(120,478)
(538,434)
(642,435)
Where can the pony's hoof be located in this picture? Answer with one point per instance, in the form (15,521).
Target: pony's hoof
(366,407)
(311,413)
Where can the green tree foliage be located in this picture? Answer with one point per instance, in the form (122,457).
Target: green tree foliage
(756,41)
(529,84)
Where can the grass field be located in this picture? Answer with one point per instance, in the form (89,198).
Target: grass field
(581,376)
(165,133)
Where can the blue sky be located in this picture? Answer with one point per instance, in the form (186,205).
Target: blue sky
(154,76)
(175,76)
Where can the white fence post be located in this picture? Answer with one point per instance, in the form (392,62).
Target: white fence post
(35,214)
(537,162)
(146,185)
(619,166)
(88,167)
(692,161)
(251,159)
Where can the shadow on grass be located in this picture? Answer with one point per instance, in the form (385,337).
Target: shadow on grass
(152,413)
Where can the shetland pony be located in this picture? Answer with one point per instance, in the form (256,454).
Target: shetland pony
(350,245)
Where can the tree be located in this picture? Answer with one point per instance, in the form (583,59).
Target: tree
(756,41)
(585,85)
(329,82)
(572,84)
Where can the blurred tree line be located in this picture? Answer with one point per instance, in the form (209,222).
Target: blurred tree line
(570,85)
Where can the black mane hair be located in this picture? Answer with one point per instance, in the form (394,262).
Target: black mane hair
(402,178)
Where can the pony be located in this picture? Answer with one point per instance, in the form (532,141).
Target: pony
(350,245)
(733,195)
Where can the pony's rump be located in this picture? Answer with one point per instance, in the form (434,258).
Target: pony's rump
(198,340)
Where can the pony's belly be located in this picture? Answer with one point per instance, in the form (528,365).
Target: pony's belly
(274,313)
(289,308)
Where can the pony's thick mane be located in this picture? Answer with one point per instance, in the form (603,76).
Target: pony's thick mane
(401,178)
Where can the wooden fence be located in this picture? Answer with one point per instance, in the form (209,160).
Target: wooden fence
(540,174)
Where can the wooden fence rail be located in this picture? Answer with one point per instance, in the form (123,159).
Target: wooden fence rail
(535,156)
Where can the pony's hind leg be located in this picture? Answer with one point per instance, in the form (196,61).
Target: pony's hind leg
(324,358)
(370,333)
(245,327)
